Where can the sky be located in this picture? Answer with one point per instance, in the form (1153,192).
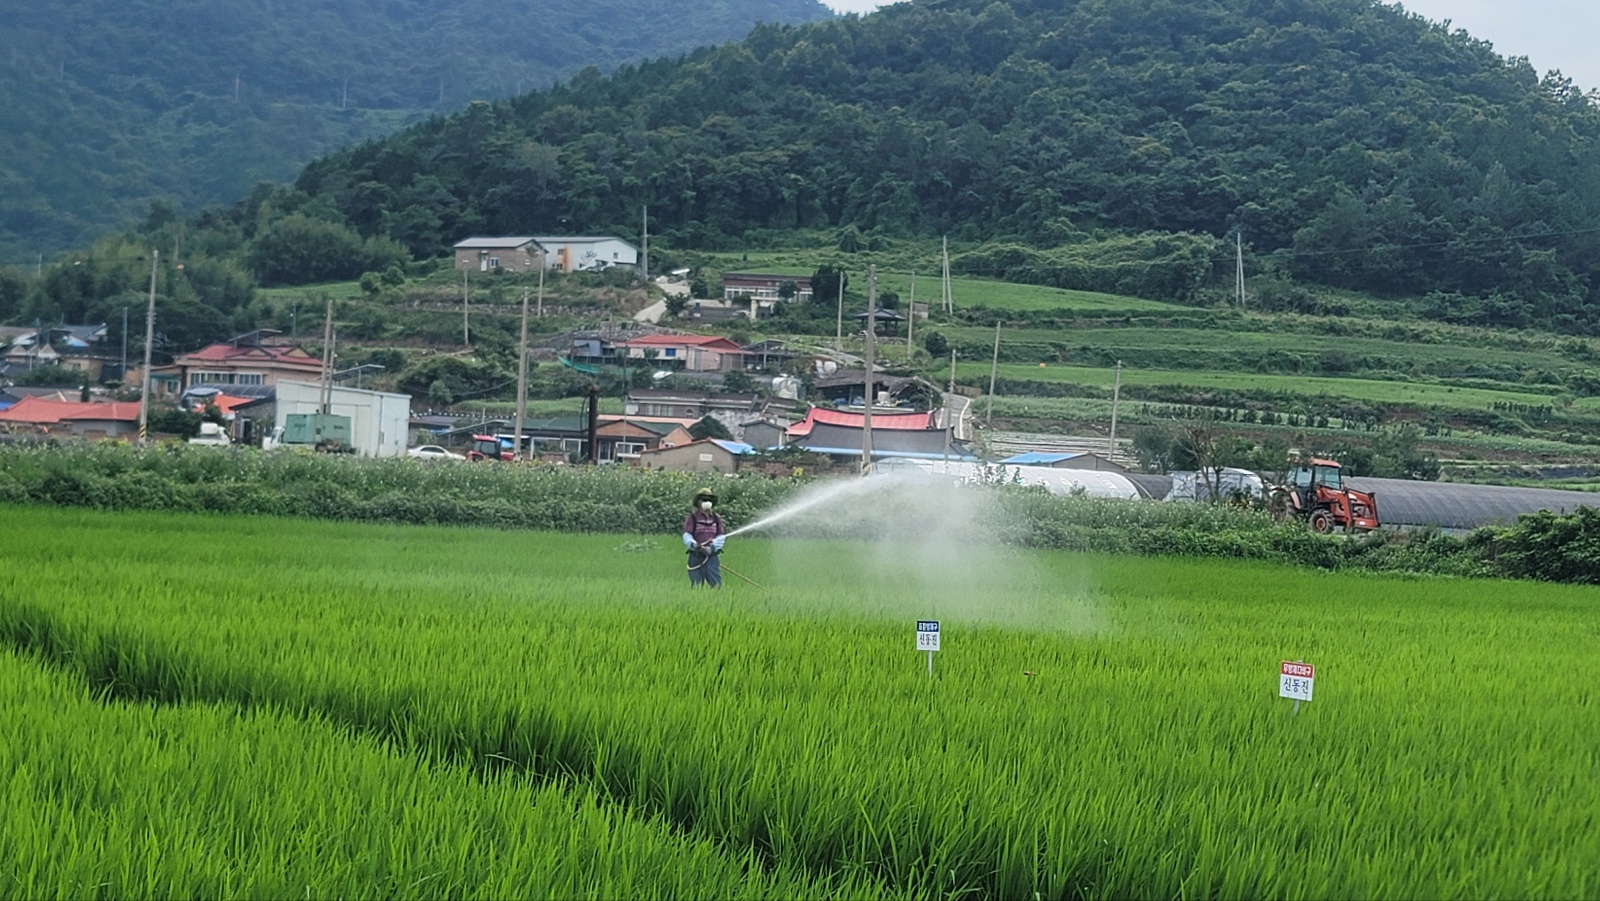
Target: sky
(1552,34)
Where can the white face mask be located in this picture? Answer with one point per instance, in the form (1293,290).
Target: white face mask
(705,505)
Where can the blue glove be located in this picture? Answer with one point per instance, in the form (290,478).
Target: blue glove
(716,543)
(688,541)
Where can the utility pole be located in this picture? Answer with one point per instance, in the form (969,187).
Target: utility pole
(149,338)
(522,375)
(947,298)
(872,333)
(911,314)
(1116,395)
(540,310)
(236,87)
(124,345)
(344,93)
(1238,237)
(952,370)
(838,339)
(994,368)
(644,267)
(294,319)
(327,360)
(466,332)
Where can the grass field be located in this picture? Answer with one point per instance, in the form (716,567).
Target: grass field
(1441,358)
(1374,390)
(542,702)
(996,295)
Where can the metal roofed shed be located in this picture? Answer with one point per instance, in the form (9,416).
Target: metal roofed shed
(1460,506)
(1064,460)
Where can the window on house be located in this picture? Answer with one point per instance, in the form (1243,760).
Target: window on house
(673,351)
(629,448)
(494,262)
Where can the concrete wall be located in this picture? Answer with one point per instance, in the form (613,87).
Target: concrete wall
(379,421)
(520,259)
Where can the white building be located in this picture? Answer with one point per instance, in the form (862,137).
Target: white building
(379,421)
(587,254)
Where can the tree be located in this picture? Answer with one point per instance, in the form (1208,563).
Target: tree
(709,427)
(826,283)
(936,344)
(738,381)
(676,304)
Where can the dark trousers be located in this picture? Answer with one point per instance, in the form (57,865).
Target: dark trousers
(704,568)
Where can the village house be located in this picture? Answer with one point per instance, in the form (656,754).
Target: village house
(705,455)
(686,404)
(763,286)
(587,253)
(690,353)
(91,421)
(843,443)
(243,361)
(820,416)
(499,254)
(78,348)
(618,438)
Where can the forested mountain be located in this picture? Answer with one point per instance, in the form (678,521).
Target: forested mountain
(108,104)
(1354,144)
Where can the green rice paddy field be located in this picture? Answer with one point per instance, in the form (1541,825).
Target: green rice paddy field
(230,707)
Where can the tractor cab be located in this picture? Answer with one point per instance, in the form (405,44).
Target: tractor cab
(489,447)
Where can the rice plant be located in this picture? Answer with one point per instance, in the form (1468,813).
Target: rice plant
(1095,727)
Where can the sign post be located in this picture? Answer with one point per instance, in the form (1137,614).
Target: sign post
(928,639)
(1295,681)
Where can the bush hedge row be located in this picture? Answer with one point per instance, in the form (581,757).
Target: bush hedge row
(112,476)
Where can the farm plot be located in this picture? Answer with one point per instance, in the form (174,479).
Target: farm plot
(119,800)
(1447,753)
(1418,394)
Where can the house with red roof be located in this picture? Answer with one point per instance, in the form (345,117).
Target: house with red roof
(72,418)
(246,361)
(880,421)
(691,353)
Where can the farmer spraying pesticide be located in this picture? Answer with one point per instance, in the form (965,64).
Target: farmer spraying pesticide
(703,535)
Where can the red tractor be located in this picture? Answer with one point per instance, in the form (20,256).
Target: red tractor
(490,447)
(1317,494)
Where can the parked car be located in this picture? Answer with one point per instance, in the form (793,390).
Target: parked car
(434,452)
(212,435)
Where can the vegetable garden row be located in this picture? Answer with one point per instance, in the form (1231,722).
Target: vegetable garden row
(227,706)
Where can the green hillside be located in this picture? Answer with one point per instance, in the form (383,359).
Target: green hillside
(1354,144)
(106,105)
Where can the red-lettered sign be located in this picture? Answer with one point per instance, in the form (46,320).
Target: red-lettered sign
(1295,680)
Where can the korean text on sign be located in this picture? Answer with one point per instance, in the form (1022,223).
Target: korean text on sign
(927,635)
(1295,680)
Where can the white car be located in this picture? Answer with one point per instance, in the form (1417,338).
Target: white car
(434,452)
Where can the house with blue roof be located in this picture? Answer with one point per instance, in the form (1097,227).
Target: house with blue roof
(705,455)
(1056,460)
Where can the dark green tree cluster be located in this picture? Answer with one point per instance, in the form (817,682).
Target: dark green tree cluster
(207,273)
(108,104)
(1354,144)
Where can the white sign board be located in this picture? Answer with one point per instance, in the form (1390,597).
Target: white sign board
(1295,680)
(928,635)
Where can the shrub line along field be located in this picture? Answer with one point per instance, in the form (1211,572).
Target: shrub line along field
(1097,727)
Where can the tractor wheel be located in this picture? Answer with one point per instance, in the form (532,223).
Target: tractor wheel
(1278,506)
(1321,522)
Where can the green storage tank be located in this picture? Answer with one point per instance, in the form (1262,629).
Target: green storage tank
(316,428)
